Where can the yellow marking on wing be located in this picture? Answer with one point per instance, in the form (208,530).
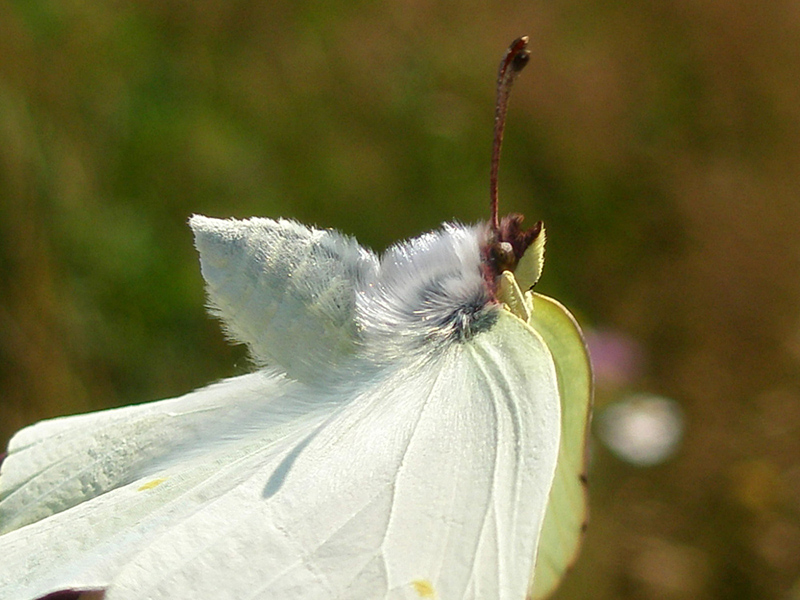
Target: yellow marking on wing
(151,484)
(424,588)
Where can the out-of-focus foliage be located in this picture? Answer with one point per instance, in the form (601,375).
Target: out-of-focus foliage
(660,142)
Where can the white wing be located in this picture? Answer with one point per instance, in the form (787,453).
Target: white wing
(57,464)
(431,482)
(284,289)
(112,479)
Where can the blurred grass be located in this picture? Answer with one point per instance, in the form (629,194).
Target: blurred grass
(659,142)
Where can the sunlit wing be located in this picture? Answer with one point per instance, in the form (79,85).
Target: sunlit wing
(431,482)
(286,290)
(204,443)
(565,520)
(57,464)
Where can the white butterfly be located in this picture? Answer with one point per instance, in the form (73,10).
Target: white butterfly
(415,430)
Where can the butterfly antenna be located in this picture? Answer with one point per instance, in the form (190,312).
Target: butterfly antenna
(513,62)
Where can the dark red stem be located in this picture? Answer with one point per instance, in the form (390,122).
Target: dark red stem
(513,62)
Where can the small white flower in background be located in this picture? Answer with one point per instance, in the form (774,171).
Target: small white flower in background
(644,430)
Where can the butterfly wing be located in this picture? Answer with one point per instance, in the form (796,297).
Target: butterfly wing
(113,479)
(59,463)
(566,512)
(432,481)
(284,289)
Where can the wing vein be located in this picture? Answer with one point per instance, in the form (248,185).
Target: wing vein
(400,468)
(477,357)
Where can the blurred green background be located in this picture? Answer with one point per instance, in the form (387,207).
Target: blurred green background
(659,142)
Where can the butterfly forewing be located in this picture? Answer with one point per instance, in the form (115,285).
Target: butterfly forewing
(286,290)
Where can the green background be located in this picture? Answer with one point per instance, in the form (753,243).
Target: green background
(658,142)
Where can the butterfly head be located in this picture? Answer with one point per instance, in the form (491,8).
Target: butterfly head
(514,249)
